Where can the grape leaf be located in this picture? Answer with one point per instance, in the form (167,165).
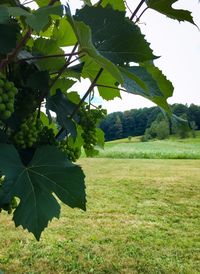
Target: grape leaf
(48,173)
(63,109)
(63,84)
(41,18)
(155,85)
(165,7)
(9,33)
(90,71)
(45,47)
(63,34)
(83,33)
(116,5)
(115,36)
(4,14)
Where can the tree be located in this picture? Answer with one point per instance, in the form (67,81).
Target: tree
(182,128)
(36,158)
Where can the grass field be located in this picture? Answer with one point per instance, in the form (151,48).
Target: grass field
(172,148)
(143,216)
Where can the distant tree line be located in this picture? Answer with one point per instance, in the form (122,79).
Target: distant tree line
(149,122)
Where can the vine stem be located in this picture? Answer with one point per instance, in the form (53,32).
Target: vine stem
(48,56)
(137,9)
(13,54)
(60,72)
(21,43)
(91,87)
(141,14)
(111,87)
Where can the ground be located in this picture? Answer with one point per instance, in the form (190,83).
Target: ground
(142,217)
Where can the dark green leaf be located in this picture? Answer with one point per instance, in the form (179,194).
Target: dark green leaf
(115,36)
(48,173)
(3,137)
(155,86)
(8,34)
(4,14)
(39,81)
(83,33)
(63,109)
(165,7)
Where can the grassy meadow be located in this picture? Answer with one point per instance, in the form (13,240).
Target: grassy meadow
(143,216)
(172,148)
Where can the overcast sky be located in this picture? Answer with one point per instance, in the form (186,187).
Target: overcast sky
(178,44)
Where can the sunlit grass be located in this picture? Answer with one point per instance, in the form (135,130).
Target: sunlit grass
(142,217)
(172,148)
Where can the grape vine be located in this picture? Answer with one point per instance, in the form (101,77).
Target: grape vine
(44,126)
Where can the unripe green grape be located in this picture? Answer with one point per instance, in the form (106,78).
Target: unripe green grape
(11,95)
(5,97)
(6,114)
(2,107)
(10,106)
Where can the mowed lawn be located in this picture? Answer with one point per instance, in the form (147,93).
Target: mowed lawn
(173,148)
(143,216)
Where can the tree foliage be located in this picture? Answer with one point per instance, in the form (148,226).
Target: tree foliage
(43,52)
(135,122)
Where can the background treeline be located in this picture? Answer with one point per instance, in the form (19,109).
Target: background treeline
(150,122)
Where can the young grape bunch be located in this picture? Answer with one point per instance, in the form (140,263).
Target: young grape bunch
(27,135)
(89,119)
(72,153)
(7,97)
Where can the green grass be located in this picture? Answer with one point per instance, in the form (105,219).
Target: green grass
(172,148)
(142,217)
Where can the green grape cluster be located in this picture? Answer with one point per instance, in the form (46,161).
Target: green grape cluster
(9,207)
(89,119)
(46,136)
(7,97)
(73,153)
(27,135)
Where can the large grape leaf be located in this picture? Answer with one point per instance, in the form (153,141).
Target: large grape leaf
(115,36)
(148,81)
(83,34)
(165,7)
(48,173)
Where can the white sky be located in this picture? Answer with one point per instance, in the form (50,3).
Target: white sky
(178,44)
